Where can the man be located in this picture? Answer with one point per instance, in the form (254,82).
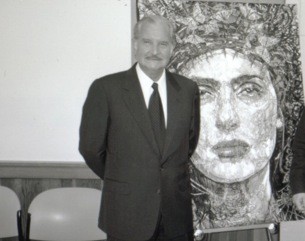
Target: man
(143,160)
(297,171)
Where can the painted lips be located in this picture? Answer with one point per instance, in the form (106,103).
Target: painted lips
(230,150)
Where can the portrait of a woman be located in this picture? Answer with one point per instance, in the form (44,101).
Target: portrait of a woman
(240,118)
(245,59)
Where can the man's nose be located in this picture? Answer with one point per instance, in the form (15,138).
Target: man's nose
(155,49)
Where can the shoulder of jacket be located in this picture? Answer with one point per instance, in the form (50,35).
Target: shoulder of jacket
(110,79)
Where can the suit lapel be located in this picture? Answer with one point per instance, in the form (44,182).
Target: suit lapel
(133,97)
(173,112)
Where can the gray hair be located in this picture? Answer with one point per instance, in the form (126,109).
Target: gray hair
(154,19)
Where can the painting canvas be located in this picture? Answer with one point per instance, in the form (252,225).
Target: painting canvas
(245,59)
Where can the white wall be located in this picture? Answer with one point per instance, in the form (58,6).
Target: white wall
(50,52)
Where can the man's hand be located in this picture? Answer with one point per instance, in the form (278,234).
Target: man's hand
(299,201)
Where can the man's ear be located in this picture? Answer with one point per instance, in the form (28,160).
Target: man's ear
(134,45)
(173,47)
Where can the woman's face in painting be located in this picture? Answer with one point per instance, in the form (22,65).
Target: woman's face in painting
(238,116)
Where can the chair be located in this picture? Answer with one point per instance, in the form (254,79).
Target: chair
(69,213)
(292,230)
(9,210)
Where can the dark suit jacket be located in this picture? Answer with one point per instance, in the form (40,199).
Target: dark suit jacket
(117,143)
(297,171)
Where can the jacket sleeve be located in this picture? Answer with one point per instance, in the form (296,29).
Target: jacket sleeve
(297,171)
(195,121)
(93,129)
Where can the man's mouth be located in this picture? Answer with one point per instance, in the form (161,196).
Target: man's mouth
(154,58)
(228,151)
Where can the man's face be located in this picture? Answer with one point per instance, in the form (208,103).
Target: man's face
(153,48)
(238,117)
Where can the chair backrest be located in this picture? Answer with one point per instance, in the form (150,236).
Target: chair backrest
(66,214)
(9,205)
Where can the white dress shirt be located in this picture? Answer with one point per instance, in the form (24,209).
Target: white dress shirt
(147,90)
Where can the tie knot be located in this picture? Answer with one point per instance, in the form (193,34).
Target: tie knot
(155,86)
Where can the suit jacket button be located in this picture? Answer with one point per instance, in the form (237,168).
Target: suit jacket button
(158,191)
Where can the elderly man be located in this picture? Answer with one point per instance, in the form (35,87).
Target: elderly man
(139,128)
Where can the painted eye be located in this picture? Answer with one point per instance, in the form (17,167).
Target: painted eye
(250,90)
(206,92)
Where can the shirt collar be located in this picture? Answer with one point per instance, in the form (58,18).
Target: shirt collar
(147,81)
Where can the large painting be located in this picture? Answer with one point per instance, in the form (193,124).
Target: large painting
(246,61)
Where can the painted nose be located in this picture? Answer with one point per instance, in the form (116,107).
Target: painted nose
(227,117)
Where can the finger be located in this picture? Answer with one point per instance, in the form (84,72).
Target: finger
(300,207)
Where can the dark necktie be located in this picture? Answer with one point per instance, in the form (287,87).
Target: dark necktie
(157,117)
